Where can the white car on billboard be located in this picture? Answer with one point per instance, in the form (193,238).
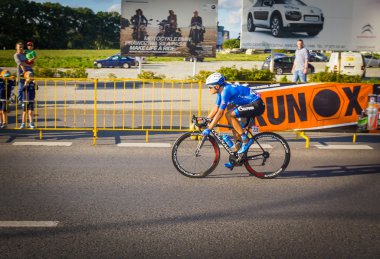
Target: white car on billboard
(282,16)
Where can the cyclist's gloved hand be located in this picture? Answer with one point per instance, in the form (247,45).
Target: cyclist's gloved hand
(206,132)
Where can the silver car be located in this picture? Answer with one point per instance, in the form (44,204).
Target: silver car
(282,16)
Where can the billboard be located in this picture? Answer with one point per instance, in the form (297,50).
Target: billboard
(311,106)
(322,24)
(169,28)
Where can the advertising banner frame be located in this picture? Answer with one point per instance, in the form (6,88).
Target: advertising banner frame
(338,25)
(171,28)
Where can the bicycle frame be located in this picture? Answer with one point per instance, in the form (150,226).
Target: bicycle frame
(219,140)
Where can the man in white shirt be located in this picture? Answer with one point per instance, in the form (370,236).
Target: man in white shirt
(301,62)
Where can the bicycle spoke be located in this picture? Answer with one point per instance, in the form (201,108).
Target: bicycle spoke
(268,156)
(194,159)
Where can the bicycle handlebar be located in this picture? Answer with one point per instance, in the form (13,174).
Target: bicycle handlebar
(202,122)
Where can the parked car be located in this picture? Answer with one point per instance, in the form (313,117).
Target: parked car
(317,57)
(266,63)
(371,61)
(284,65)
(191,59)
(280,16)
(139,60)
(351,63)
(115,61)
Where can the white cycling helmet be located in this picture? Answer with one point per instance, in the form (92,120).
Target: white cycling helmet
(215,79)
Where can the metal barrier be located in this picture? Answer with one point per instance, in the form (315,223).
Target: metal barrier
(114,104)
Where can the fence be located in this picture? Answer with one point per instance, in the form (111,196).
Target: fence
(168,105)
(120,104)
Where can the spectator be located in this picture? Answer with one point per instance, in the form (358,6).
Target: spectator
(6,85)
(29,89)
(22,67)
(301,63)
(30,54)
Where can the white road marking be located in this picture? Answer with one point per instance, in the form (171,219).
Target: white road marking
(352,147)
(28,224)
(144,145)
(43,143)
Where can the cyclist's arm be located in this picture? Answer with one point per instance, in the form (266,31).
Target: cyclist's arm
(216,118)
(213,112)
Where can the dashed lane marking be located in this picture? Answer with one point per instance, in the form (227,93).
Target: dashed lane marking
(347,147)
(28,224)
(43,143)
(166,145)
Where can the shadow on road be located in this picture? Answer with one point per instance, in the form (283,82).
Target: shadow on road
(333,170)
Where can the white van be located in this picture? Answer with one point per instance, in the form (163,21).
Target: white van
(351,63)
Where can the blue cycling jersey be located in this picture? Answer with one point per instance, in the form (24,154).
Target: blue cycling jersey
(237,95)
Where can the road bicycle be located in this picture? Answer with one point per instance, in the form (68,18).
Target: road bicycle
(196,156)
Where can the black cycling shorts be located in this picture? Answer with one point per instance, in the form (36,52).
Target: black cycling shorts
(28,106)
(3,106)
(250,110)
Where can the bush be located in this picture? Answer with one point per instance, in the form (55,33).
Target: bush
(231,44)
(201,76)
(149,75)
(284,79)
(53,72)
(112,76)
(234,74)
(333,77)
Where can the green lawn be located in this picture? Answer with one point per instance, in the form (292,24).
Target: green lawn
(85,58)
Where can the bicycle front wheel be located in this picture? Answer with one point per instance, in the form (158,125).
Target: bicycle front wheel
(191,158)
(268,156)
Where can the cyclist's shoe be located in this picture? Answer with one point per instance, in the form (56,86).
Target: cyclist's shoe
(229,165)
(245,146)
(22,125)
(4,125)
(31,125)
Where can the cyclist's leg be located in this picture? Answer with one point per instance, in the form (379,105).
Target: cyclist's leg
(231,118)
(250,110)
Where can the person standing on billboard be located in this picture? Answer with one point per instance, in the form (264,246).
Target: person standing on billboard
(139,22)
(301,62)
(172,19)
(196,20)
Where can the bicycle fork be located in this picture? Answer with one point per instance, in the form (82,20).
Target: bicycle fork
(200,145)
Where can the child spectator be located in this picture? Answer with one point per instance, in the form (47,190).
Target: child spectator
(6,85)
(29,95)
(22,67)
(30,53)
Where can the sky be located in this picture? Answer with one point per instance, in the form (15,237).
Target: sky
(229,12)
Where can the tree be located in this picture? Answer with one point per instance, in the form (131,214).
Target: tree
(53,26)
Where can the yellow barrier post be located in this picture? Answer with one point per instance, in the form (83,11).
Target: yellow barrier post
(354,138)
(302,134)
(307,144)
(95,130)
(200,98)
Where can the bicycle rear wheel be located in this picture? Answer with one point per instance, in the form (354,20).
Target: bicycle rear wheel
(192,161)
(268,156)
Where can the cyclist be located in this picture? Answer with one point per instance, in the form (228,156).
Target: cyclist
(249,104)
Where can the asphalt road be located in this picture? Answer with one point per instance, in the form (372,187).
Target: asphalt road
(118,202)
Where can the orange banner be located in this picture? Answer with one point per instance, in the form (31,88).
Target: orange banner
(309,106)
